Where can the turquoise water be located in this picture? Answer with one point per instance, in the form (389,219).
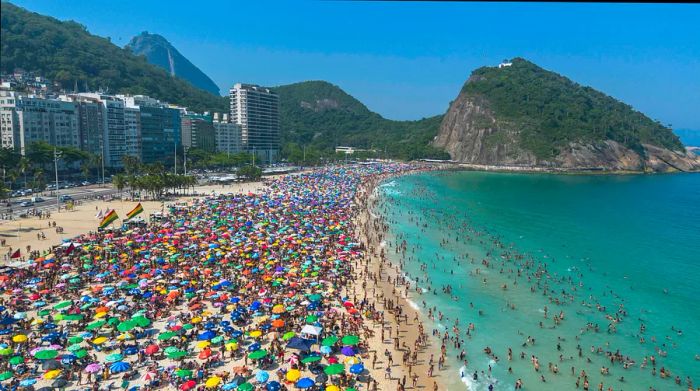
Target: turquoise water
(603,246)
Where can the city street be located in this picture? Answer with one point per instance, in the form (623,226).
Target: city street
(77,193)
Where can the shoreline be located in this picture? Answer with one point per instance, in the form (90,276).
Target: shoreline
(550,170)
(384,282)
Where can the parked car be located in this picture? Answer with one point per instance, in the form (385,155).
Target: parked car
(65,198)
(37,199)
(25,204)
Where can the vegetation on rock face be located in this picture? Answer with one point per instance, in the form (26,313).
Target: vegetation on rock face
(552,111)
(321,116)
(67,53)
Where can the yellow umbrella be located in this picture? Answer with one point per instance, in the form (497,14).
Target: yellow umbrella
(203,344)
(212,382)
(99,340)
(196,320)
(52,374)
(332,387)
(255,333)
(36,321)
(231,346)
(100,315)
(293,375)
(125,336)
(352,360)
(278,309)
(19,338)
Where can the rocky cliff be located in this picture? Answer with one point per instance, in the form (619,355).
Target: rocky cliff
(522,115)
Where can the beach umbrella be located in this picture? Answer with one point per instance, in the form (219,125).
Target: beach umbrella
(5,375)
(350,340)
(95,325)
(305,382)
(258,354)
(206,335)
(152,349)
(212,382)
(329,341)
(127,325)
(59,383)
(293,375)
(99,340)
(273,386)
(332,387)
(177,354)
(245,387)
(326,349)
(188,385)
(27,382)
(19,338)
(357,368)
(52,374)
(262,376)
(16,360)
(334,369)
(347,351)
(167,335)
(310,359)
(114,357)
(50,364)
(80,353)
(93,368)
(47,354)
(63,304)
(119,366)
(6,351)
(75,339)
(321,378)
(288,335)
(183,373)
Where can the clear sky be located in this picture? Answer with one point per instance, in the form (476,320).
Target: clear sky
(409,60)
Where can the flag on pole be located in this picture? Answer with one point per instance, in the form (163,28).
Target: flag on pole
(15,254)
(109,218)
(69,249)
(137,210)
(99,215)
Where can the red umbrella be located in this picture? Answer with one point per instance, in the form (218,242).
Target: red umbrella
(188,385)
(152,349)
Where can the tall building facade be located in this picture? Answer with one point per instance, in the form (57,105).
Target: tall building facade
(256,110)
(198,132)
(90,122)
(9,122)
(132,124)
(158,129)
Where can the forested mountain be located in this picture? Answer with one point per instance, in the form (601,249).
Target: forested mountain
(67,53)
(160,52)
(322,115)
(521,114)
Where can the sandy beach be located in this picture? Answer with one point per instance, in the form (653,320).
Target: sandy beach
(389,328)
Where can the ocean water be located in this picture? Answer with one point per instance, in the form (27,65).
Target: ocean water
(601,250)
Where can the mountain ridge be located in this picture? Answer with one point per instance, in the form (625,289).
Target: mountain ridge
(160,52)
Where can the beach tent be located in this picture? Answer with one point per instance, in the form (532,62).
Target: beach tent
(310,331)
(301,344)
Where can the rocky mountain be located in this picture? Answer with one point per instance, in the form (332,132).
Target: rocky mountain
(160,52)
(322,115)
(67,53)
(519,114)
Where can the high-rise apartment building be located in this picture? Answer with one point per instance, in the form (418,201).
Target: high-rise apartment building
(256,110)
(198,132)
(228,134)
(159,127)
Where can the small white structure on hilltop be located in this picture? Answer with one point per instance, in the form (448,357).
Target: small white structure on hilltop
(504,64)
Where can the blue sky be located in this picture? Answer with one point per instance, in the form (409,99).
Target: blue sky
(409,60)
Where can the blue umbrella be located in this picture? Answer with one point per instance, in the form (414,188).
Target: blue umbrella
(305,382)
(262,376)
(206,335)
(357,368)
(236,333)
(119,366)
(254,347)
(273,386)
(27,382)
(131,350)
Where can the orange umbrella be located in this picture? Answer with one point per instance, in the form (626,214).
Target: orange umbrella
(277,323)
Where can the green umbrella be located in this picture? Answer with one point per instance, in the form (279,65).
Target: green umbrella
(46,354)
(95,325)
(6,351)
(311,318)
(334,369)
(258,354)
(217,339)
(5,375)
(245,387)
(288,335)
(171,349)
(350,340)
(43,313)
(141,321)
(310,359)
(74,348)
(177,354)
(81,353)
(114,357)
(315,297)
(188,326)
(75,339)
(329,341)
(126,325)
(113,320)
(16,360)
(183,373)
(63,304)
(167,335)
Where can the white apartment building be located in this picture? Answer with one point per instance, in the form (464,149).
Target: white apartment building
(256,110)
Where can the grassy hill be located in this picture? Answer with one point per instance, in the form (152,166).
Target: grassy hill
(322,115)
(552,111)
(66,52)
